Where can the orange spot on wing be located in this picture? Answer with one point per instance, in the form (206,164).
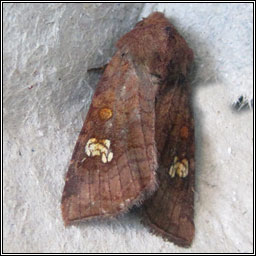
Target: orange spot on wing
(105,114)
(184,132)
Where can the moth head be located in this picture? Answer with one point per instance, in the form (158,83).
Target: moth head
(156,44)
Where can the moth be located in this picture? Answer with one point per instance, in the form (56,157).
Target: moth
(137,143)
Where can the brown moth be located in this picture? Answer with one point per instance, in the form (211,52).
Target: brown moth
(137,141)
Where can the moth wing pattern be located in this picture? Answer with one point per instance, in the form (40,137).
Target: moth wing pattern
(139,121)
(170,210)
(114,160)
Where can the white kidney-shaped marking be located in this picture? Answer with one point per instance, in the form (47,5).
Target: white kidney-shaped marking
(101,148)
(179,167)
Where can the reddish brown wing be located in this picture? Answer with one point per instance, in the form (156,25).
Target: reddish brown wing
(170,210)
(114,159)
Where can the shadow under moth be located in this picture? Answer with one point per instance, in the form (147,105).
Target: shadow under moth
(137,143)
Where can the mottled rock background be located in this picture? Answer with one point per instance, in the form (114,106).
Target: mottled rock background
(46,94)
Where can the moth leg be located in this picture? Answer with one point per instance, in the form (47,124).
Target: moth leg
(98,69)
